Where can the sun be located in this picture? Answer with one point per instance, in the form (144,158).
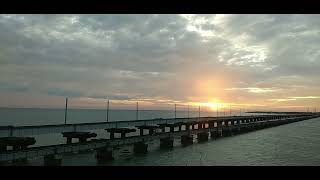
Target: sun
(211,105)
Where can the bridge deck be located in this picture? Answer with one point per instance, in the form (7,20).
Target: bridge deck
(99,143)
(23,131)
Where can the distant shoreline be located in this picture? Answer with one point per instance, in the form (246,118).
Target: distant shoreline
(45,108)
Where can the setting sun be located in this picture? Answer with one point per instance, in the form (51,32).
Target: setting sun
(211,105)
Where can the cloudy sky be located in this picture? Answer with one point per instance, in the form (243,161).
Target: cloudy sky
(250,61)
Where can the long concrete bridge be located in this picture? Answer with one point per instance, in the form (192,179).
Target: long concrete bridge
(183,128)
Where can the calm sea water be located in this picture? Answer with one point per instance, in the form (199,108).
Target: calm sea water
(292,144)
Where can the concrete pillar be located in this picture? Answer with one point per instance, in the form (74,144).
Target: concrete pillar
(226,132)
(82,139)
(111,135)
(214,134)
(187,139)
(123,135)
(52,160)
(204,136)
(140,147)
(235,130)
(104,154)
(151,131)
(3,148)
(69,140)
(171,129)
(16,148)
(166,143)
(210,125)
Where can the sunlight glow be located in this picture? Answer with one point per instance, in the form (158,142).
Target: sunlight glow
(213,106)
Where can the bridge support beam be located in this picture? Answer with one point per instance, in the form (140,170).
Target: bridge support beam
(140,147)
(166,142)
(17,143)
(81,136)
(52,160)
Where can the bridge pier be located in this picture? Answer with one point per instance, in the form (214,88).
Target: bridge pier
(104,154)
(3,148)
(123,135)
(111,135)
(69,140)
(203,136)
(233,130)
(140,147)
(226,132)
(214,134)
(187,139)
(52,160)
(186,127)
(166,142)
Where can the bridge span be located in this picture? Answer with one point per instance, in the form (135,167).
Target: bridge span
(182,128)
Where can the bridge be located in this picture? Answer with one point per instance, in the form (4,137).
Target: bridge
(182,128)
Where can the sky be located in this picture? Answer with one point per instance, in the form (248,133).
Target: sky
(256,62)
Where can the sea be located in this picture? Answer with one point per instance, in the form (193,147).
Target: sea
(295,144)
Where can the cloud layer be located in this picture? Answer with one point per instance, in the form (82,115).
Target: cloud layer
(238,59)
